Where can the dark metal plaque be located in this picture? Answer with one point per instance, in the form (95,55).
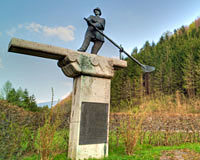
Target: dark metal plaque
(94,122)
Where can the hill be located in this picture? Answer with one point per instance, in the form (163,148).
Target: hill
(176,57)
(19,128)
(16,115)
(64,105)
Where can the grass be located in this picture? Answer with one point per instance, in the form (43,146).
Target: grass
(176,103)
(141,152)
(129,141)
(62,156)
(148,152)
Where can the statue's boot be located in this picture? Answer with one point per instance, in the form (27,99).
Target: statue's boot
(85,44)
(81,50)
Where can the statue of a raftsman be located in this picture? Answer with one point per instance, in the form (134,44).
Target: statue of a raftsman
(92,35)
(95,34)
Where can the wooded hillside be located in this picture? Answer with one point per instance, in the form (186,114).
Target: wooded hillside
(176,57)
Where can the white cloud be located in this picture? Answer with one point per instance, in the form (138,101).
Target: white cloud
(0,33)
(11,32)
(33,27)
(64,33)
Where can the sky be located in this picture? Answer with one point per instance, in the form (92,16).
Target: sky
(60,23)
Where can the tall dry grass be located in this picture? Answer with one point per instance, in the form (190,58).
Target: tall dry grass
(177,103)
(130,129)
(181,112)
(51,140)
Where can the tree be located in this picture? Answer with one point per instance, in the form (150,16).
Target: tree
(197,73)
(32,104)
(12,97)
(176,58)
(188,70)
(20,97)
(135,51)
(6,89)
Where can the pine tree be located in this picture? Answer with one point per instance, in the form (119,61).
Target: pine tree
(188,70)
(6,89)
(12,97)
(197,73)
(176,58)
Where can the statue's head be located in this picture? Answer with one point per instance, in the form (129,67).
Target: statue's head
(97,11)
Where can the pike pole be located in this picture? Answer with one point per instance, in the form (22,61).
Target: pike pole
(145,68)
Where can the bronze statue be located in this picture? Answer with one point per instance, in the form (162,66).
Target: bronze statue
(92,35)
(95,34)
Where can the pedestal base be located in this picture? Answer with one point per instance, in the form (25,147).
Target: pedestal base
(89,123)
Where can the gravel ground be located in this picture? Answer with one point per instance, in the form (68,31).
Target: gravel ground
(161,121)
(180,155)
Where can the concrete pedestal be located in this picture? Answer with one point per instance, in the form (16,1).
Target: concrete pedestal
(89,121)
(91,92)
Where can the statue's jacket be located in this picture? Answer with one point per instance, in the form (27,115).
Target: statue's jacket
(91,32)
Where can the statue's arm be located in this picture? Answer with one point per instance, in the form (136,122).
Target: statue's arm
(90,19)
(101,24)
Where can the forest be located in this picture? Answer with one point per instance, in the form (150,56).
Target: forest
(20,98)
(176,57)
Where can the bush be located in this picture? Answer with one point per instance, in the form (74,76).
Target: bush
(50,141)
(14,139)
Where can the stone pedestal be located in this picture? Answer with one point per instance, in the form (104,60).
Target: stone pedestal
(89,122)
(89,118)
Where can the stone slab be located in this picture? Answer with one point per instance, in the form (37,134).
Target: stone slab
(48,51)
(36,49)
(72,63)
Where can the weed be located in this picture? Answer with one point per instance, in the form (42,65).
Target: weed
(130,130)
(51,141)
(14,139)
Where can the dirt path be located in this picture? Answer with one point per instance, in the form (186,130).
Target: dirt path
(180,155)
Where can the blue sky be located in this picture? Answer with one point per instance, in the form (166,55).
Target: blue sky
(60,23)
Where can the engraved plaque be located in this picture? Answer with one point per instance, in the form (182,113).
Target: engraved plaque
(94,121)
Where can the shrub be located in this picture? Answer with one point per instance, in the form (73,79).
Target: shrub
(14,139)
(51,141)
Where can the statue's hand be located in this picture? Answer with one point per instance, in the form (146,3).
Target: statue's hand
(93,21)
(88,22)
